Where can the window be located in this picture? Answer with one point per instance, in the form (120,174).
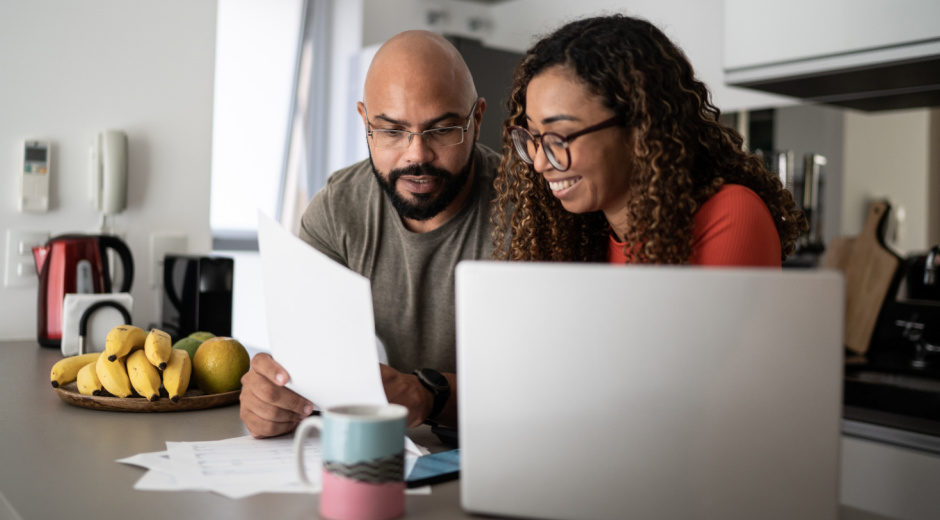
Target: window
(257,47)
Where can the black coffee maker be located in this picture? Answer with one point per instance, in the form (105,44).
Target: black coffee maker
(197,295)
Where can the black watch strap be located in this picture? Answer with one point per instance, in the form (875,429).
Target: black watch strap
(439,387)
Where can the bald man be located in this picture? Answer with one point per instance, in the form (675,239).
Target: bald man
(403,218)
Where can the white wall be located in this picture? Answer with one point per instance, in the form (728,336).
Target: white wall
(384,19)
(888,155)
(70,69)
(696,26)
(515,25)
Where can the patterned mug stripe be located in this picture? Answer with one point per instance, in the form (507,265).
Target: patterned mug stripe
(382,469)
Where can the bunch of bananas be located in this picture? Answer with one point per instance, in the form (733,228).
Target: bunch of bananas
(132,361)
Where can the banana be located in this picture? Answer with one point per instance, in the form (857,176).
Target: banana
(176,374)
(158,347)
(122,339)
(143,375)
(66,370)
(88,382)
(113,376)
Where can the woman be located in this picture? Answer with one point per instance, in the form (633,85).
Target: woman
(613,152)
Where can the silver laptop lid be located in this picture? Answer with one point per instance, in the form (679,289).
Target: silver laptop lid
(597,391)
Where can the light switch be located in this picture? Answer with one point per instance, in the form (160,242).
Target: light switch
(20,268)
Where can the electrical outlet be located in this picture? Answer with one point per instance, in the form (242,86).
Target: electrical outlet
(162,243)
(20,267)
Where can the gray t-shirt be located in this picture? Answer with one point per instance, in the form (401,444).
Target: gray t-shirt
(352,221)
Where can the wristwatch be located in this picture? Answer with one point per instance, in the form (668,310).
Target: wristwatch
(439,387)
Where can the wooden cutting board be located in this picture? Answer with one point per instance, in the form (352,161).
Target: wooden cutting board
(870,271)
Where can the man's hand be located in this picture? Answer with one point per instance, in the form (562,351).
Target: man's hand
(406,390)
(267,408)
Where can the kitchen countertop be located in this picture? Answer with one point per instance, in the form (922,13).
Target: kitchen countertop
(58,460)
(890,428)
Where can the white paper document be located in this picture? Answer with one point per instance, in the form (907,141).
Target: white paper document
(320,321)
(240,467)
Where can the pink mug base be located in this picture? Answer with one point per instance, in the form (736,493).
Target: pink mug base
(347,499)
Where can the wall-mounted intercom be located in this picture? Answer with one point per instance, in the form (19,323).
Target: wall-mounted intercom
(109,171)
(35,170)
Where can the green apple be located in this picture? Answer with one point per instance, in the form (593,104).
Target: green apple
(202,336)
(189,344)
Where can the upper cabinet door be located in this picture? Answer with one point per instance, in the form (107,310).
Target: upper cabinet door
(862,54)
(767,32)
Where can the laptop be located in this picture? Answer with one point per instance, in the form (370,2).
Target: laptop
(593,391)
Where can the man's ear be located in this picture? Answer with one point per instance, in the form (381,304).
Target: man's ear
(361,108)
(478,118)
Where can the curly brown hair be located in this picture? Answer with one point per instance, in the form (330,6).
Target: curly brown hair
(683,153)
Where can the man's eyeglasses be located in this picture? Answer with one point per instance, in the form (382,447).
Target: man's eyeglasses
(555,145)
(433,137)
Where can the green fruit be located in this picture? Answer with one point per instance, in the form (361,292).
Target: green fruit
(202,336)
(189,345)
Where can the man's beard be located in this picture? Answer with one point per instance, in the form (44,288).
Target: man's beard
(424,206)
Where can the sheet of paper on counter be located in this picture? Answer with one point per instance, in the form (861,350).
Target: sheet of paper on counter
(240,467)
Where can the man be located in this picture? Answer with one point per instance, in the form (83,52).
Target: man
(403,218)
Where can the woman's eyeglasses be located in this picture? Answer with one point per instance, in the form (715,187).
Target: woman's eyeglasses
(555,145)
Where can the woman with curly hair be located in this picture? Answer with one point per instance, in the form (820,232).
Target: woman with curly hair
(614,152)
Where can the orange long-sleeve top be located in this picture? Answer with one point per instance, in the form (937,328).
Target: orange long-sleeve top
(733,228)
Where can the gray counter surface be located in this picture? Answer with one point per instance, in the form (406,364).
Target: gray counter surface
(58,460)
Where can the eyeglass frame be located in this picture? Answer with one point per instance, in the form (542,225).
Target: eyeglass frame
(424,134)
(565,141)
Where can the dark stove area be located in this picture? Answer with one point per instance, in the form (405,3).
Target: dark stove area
(899,399)
(894,389)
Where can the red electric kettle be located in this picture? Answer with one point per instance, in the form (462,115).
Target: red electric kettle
(74,264)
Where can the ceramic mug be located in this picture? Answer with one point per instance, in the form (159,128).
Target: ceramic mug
(363,449)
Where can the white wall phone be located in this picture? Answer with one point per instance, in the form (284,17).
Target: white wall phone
(109,171)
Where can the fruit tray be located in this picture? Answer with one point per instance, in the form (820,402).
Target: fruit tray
(193,400)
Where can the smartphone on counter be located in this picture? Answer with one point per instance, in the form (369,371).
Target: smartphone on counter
(434,469)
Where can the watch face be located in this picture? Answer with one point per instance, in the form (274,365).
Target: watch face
(434,377)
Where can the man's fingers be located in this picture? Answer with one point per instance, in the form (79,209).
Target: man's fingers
(262,407)
(264,365)
(260,428)
(260,392)
(267,408)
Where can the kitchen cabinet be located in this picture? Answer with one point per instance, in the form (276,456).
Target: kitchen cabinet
(890,480)
(866,54)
